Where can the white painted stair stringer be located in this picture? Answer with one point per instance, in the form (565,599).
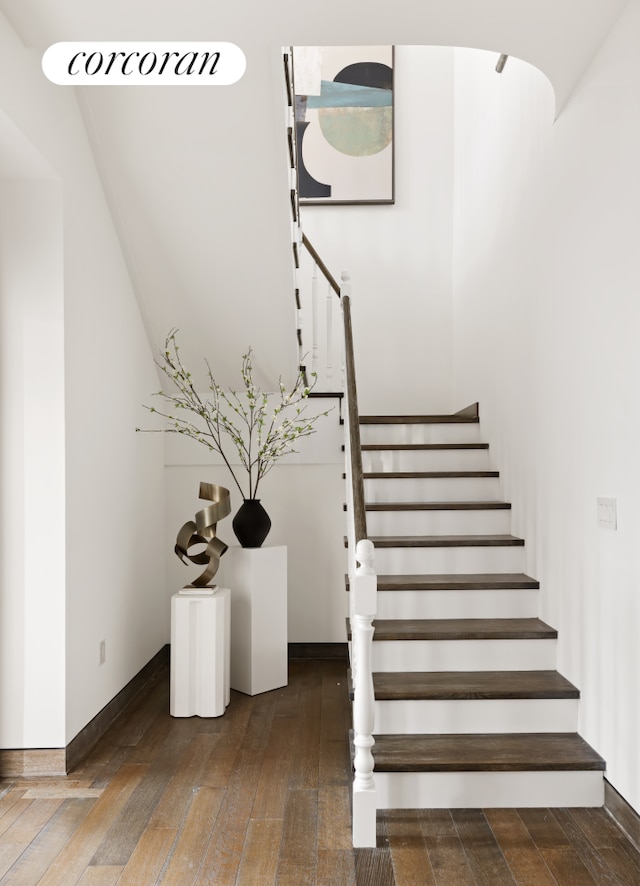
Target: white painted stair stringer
(487,790)
(439,522)
(468,716)
(392,489)
(443,432)
(426,560)
(490,603)
(463,655)
(425,460)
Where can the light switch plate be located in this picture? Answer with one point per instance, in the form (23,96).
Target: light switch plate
(607,513)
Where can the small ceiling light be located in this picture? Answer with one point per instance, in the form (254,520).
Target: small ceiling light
(501,63)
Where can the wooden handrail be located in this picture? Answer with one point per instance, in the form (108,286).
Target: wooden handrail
(362,576)
(359,513)
(357,484)
(325,270)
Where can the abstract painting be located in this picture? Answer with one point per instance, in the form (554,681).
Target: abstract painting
(344,123)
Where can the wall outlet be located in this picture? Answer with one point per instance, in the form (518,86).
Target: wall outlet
(103,651)
(607,513)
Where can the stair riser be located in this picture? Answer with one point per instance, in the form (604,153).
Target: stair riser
(432,489)
(417,433)
(486,790)
(463,655)
(458,604)
(426,460)
(406,561)
(470,716)
(442,522)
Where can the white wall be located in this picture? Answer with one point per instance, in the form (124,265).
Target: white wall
(304,496)
(399,256)
(547,310)
(110,527)
(32,471)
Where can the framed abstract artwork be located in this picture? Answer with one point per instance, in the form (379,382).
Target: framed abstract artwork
(344,123)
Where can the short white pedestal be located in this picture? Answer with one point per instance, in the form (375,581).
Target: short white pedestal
(257,579)
(200,629)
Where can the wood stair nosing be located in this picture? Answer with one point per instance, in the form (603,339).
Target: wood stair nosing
(443,541)
(426,475)
(476,685)
(443,629)
(446,541)
(437,506)
(420,447)
(418,419)
(455,582)
(504,752)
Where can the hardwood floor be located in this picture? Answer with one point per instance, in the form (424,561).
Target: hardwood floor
(261,796)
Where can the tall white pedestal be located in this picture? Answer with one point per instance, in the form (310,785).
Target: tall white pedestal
(200,663)
(257,579)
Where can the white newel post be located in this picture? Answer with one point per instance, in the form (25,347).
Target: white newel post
(363,586)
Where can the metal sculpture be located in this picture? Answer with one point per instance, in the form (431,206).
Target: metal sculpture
(203,531)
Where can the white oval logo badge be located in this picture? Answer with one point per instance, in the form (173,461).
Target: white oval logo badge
(143,64)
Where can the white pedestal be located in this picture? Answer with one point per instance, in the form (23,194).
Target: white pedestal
(257,578)
(200,631)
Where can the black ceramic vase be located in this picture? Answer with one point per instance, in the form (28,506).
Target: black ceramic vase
(251,524)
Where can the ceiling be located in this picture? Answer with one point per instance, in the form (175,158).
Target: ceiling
(558,36)
(196,179)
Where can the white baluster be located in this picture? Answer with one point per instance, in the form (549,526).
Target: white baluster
(363,587)
(330,298)
(351,538)
(301,354)
(314,318)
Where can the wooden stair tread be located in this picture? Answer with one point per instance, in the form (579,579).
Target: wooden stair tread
(462,629)
(446,541)
(437,505)
(420,447)
(426,475)
(457,582)
(418,419)
(454,685)
(485,752)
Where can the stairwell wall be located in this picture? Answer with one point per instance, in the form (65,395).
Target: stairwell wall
(546,312)
(399,256)
(86,497)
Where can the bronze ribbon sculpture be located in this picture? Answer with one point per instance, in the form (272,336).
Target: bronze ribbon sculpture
(203,531)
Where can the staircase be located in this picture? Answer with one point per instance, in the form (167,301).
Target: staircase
(469,710)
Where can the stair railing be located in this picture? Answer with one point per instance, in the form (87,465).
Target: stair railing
(362,576)
(320,323)
(362,582)
(362,602)
(315,333)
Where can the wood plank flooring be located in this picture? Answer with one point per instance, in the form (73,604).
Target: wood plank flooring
(261,796)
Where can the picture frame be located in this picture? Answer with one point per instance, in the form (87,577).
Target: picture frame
(344,124)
